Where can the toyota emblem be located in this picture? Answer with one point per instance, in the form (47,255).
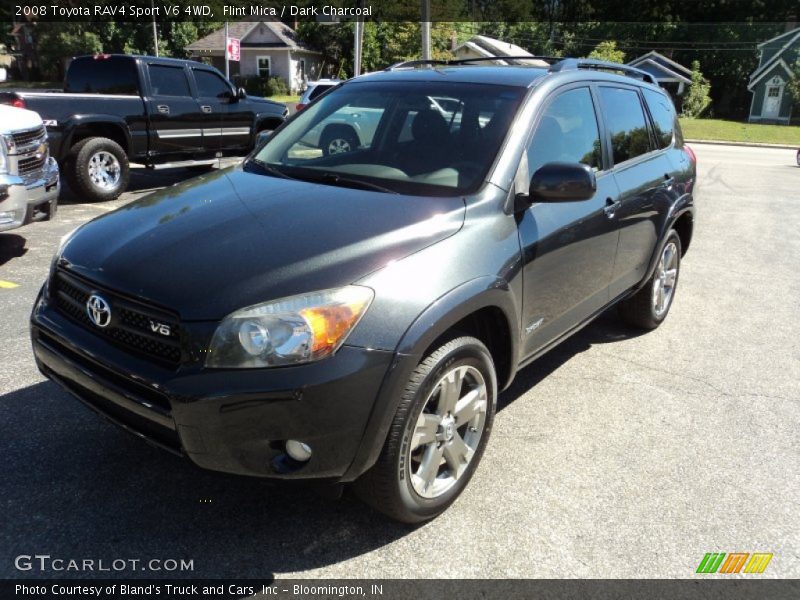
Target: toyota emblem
(98,310)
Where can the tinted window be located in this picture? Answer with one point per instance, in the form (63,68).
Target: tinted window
(113,75)
(625,122)
(397,135)
(567,132)
(209,84)
(168,81)
(663,114)
(318,89)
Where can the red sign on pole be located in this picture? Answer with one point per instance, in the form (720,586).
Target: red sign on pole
(234,49)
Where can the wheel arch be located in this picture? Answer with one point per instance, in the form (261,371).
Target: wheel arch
(484,308)
(100,126)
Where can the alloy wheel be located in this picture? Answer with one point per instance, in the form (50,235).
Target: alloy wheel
(665,278)
(448,431)
(104,170)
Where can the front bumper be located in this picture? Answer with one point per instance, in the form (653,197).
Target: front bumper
(24,200)
(236,421)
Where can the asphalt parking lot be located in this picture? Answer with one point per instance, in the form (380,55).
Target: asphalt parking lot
(617,455)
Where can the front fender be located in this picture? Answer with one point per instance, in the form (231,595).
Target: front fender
(434,321)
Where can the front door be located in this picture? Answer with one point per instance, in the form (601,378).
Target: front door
(772,101)
(173,111)
(568,247)
(225,128)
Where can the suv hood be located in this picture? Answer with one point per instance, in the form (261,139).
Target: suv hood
(208,247)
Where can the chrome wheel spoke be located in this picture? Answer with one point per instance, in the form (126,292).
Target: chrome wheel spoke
(429,467)
(670,276)
(470,405)
(425,431)
(457,455)
(450,389)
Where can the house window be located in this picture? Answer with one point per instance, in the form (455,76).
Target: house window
(263,64)
(773,92)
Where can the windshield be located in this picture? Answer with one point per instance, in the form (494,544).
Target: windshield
(429,138)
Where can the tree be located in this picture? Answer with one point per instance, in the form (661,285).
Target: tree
(794,83)
(698,98)
(608,51)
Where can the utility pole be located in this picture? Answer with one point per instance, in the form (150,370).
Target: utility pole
(227,72)
(425,26)
(155,30)
(359,39)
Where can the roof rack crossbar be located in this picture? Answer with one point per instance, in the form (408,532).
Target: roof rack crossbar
(569,64)
(463,61)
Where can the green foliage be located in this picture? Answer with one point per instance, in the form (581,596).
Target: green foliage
(608,51)
(794,83)
(263,86)
(698,98)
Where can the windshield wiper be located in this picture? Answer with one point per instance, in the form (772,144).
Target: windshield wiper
(268,169)
(336,179)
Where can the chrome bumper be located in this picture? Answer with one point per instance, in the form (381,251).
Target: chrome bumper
(27,199)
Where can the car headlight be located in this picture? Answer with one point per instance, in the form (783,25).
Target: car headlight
(288,331)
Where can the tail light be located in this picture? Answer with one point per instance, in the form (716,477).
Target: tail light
(18,103)
(692,156)
(299,107)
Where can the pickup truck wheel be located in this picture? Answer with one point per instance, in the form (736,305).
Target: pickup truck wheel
(98,169)
(438,434)
(338,139)
(649,306)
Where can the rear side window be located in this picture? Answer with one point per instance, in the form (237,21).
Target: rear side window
(663,114)
(567,132)
(625,122)
(112,75)
(210,85)
(318,90)
(168,81)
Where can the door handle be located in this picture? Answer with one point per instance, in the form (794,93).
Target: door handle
(611,207)
(205,108)
(669,180)
(163,109)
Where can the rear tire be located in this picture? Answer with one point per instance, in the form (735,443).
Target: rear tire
(97,169)
(648,308)
(438,434)
(338,139)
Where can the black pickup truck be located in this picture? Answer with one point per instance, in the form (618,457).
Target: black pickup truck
(117,109)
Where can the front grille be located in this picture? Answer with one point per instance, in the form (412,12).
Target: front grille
(132,322)
(27,138)
(31,164)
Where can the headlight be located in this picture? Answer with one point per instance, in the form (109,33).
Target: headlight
(288,331)
(3,156)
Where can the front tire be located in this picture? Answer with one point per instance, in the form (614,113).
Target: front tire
(98,169)
(649,307)
(438,434)
(338,139)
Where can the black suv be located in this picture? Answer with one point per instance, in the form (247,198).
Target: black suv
(351,314)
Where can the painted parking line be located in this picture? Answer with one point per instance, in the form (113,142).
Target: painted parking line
(8,285)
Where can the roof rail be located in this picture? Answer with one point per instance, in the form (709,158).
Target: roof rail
(570,64)
(463,61)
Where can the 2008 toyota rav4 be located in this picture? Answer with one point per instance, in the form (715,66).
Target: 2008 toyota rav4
(349,311)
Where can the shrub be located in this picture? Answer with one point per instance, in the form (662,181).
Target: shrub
(262,86)
(697,99)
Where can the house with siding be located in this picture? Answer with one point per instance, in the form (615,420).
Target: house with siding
(772,102)
(268,49)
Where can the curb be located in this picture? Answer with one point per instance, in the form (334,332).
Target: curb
(747,144)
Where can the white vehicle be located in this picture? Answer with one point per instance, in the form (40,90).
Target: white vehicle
(29,180)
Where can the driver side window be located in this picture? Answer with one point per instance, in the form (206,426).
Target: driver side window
(567,132)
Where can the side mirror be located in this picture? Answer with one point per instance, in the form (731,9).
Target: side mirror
(262,137)
(241,93)
(562,182)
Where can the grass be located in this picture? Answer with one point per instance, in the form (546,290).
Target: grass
(735,131)
(285,99)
